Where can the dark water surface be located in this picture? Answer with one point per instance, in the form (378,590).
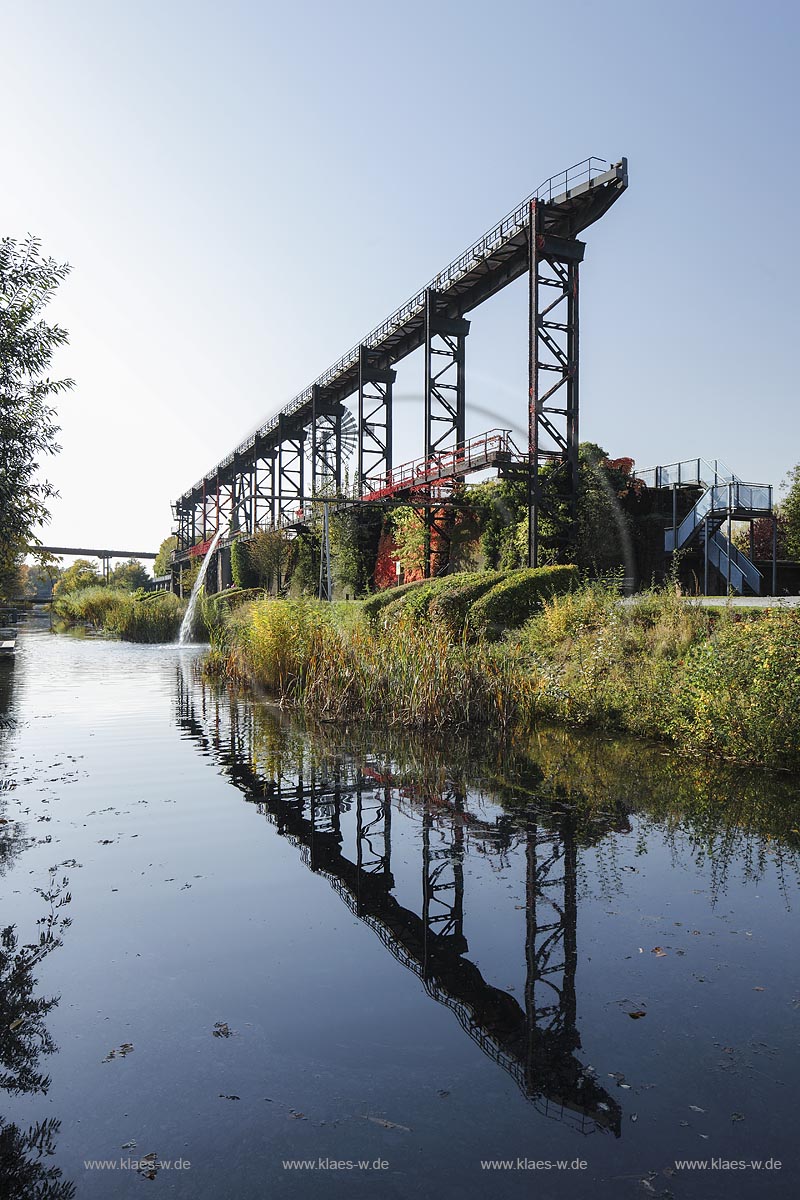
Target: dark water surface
(321,946)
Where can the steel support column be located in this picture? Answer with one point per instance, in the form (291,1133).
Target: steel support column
(445,391)
(326,444)
(374,420)
(242,496)
(552,370)
(264,493)
(291,473)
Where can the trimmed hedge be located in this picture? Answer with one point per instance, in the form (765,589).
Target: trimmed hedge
(386,596)
(452,607)
(417,603)
(514,601)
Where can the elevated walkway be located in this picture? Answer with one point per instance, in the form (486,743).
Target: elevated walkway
(725,499)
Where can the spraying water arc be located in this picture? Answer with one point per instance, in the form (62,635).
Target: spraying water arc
(185,635)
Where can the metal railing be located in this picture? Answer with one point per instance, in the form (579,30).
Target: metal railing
(718,501)
(553,190)
(732,565)
(473,455)
(697,472)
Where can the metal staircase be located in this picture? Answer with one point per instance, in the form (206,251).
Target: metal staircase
(726,498)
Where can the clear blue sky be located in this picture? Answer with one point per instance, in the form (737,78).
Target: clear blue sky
(244,189)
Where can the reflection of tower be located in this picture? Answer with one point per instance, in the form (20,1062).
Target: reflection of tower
(550,947)
(374,832)
(443,879)
(337,810)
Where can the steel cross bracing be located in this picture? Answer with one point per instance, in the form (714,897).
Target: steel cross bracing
(374,419)
(540,236)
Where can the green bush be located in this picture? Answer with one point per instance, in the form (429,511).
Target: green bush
(451,607)
(241,569)
(512,602)
(372,607)
(739,691)
(416,600)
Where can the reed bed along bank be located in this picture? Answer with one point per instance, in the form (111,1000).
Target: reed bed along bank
(338,665)
(132,618)
(708,681)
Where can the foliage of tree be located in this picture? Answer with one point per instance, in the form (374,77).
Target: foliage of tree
(269,553)
(305,569)
(408,532)
(501,512)
(790,511)
(27,426)
(600,540)
(762,537)
(129,575)
(43,575)
(164,557)
(82,574)
(354,536)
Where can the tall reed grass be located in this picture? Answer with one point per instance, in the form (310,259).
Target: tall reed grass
(154,618)
(709,681)
(397,672)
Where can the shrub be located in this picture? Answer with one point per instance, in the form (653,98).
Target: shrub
(740,691)
(516,598)
(451,607)
(380,600)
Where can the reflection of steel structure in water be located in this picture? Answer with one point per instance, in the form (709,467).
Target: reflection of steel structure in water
(307,802)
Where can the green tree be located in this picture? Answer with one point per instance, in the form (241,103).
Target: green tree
(129,575)
(790,511)
(268,556)
(163,560)
(408,531)
(27,427)
(355,534)
(81,574)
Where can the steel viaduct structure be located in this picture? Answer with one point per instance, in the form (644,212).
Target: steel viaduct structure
(297,456)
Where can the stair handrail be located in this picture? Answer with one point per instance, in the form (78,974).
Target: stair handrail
(698,472)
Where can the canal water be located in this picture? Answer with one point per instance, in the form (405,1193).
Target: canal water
(242,958)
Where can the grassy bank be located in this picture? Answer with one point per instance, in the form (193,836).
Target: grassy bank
(725,682)
(153,618)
